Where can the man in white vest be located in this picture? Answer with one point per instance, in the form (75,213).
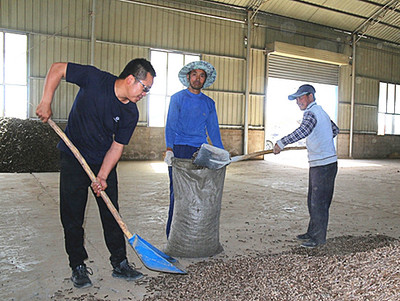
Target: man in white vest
(319,131)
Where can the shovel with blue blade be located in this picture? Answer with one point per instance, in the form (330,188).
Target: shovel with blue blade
(150,256)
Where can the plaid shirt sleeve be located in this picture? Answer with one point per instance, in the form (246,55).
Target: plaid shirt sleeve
(335,129)
(306,127)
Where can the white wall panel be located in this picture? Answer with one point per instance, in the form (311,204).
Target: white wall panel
(45,50)
(114,57)
(344,93)
(366,105)
(344,98)
(374,62)
(62,101)
(61,17)
(367,91)
(344,117)
(257,78)
(256,110)
(168,29)
(395,68)
(365,119)
(230,73)
(230,107)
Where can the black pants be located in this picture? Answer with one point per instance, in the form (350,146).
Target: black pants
(321,184)
(74,184)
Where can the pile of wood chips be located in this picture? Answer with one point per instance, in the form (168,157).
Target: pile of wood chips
(27,146)
(346,268)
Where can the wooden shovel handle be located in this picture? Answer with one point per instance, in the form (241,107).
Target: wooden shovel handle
(269,151)
(91,175)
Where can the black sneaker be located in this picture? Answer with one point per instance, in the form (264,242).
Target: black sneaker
(304,236)
(126,271)
(80,276)
(311,244)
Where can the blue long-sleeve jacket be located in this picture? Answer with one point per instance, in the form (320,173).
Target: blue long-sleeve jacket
(190,118)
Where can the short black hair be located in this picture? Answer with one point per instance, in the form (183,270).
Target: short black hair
(138,68)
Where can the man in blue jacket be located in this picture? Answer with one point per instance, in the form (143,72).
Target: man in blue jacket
(319,130)
(191,116)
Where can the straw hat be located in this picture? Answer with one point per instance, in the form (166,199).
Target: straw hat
(203,65)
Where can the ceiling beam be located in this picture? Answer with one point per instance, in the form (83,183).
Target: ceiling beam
(375,18)
(378,4)
(343,12)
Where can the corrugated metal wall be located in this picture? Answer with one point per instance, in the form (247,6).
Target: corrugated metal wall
(344,99)
(60,30)
(63,32)
(43,51)
(66,18)
(374,63)
(257,88)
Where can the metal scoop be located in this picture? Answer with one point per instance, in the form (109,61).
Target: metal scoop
(214,158)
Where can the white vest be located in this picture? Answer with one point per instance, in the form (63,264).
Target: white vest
(320,146)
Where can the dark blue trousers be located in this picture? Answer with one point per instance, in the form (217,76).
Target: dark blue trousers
(181,152)
(321,184)
(74,184)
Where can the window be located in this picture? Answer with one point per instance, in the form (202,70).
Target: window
(13,75)
(166,83)
(389,109)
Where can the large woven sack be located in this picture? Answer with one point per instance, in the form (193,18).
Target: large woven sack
(195,222)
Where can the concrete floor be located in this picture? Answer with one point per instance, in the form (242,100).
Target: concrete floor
(263,208)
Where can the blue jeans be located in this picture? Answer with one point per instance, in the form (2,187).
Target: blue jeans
(321,184)
(74,184)
(181,152)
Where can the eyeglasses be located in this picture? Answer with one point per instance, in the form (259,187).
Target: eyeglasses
(145,88)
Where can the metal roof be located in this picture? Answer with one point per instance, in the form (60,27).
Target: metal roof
(378,19)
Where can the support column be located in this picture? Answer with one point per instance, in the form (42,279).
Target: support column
(247,95)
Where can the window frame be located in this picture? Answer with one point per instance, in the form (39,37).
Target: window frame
(167,94)
(389,109)
(16,83)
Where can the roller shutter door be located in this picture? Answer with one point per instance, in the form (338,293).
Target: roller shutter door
(302,70)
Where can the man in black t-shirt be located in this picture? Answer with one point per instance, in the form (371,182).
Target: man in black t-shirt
(101,121)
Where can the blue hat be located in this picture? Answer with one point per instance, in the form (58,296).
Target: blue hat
(203,65)
(303,90)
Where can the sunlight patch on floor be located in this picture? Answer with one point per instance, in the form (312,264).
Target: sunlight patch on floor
(298,158)
(293,158)
(346,163)
(159,167)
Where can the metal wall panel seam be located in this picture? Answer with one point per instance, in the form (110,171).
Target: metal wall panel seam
(184,11)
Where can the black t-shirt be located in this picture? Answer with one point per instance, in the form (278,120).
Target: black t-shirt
(97,117)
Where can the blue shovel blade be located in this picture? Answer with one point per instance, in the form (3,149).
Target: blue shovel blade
(153,258)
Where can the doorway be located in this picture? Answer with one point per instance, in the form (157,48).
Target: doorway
(283,116)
